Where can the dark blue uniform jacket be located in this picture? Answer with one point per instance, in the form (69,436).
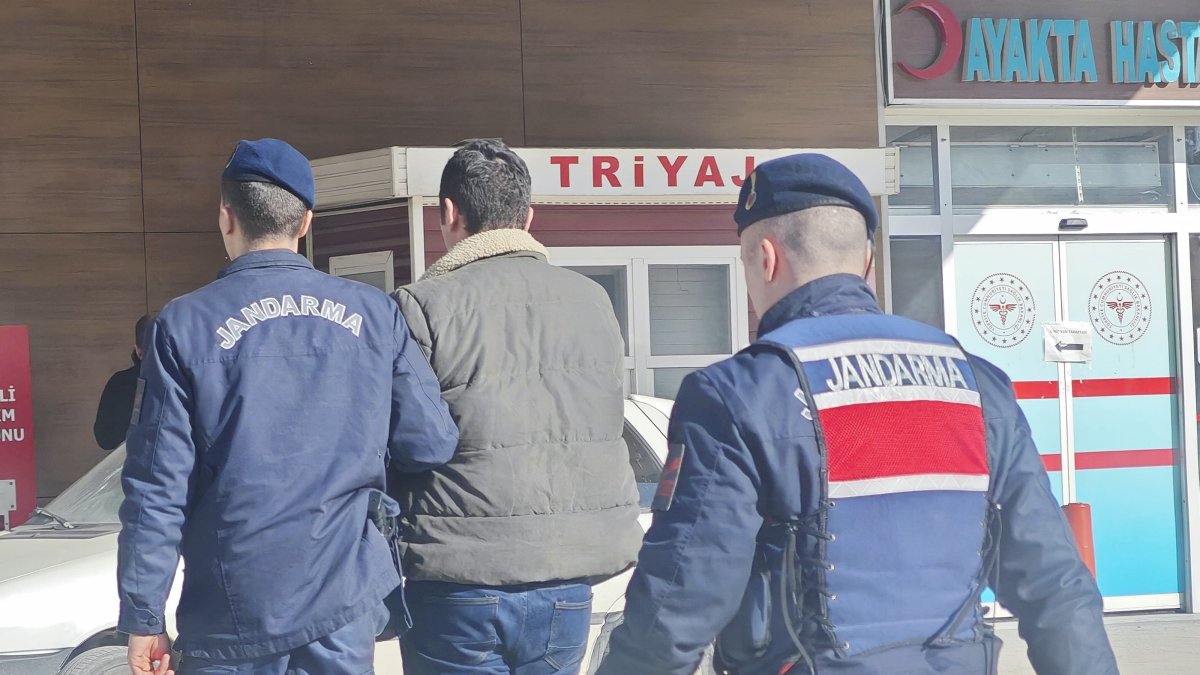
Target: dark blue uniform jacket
(750,460)
(270,402)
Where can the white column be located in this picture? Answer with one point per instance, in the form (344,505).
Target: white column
(1190,465)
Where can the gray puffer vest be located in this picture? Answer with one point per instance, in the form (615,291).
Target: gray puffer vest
(530,361)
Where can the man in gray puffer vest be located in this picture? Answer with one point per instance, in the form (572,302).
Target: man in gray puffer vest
(502,544)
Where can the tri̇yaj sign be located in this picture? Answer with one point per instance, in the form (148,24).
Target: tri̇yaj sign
(1104,51)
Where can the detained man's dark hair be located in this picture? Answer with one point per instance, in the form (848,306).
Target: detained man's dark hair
(489,183)
(139,329)
(265,211)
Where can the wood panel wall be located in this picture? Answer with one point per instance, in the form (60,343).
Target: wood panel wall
(118,115)
(700,73)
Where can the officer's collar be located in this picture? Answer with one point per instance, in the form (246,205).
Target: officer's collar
(272,257)
(834,294)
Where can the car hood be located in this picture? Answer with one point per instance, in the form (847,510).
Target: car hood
(31,550)
(55,592)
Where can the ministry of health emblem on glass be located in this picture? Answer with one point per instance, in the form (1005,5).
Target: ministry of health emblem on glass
(1002,310)
(1119,307)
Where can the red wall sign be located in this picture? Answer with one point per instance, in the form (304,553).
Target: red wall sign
(16,425)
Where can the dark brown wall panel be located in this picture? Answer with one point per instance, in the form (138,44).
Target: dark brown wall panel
(330,77)
(181,262)
(68,117)
(80,295)
(703,73)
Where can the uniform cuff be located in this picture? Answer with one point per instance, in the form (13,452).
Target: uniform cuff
(140,622)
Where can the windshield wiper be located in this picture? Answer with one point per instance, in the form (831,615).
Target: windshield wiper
(56,518)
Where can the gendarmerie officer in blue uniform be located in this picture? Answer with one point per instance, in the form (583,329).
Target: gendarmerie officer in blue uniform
(837,495)
(269,404)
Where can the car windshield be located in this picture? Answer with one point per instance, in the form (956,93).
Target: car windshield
(94,498)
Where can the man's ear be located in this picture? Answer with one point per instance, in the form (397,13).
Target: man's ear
(528,219)
(306,225)
(228,221)
(770,259)
(452,216)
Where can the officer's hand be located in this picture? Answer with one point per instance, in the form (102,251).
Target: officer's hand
(150,655)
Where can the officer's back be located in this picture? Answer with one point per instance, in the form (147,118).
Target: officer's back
(839,494)
(271,401)
(286,407)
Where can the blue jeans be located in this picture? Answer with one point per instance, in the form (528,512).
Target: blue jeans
(349,650)
(473,630)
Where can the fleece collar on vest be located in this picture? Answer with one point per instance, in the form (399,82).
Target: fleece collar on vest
(486,244)
(834,294)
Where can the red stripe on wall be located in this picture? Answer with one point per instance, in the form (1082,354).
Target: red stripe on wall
(1036,390)
(1114,459)
(1123,386)
(1129,386)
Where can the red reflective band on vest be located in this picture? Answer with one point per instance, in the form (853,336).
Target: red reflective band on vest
(885,448)
(900,443)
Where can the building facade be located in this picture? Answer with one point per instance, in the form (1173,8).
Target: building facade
(1038,164)
(118,116)
(1049,215)
(1042,182)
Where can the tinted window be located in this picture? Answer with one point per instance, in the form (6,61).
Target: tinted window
(917,279)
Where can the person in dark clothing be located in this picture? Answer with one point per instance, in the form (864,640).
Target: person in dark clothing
(116,403)
(272,405)
(838,495)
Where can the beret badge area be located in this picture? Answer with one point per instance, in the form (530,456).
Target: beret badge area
(752,198)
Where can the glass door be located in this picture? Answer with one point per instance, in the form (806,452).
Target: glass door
(1124,412)
(1108,428)
(1006,291)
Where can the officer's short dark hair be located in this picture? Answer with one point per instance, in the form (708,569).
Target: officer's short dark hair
(489,183)
(265,211)
(139,330)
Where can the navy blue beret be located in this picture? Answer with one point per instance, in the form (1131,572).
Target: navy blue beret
(269,160)
(799,182)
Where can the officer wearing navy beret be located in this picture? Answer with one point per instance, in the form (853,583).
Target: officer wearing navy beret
(838,495)
(270,405)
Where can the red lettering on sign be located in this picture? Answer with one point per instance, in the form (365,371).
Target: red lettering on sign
(639,172)
(564,163)
(672,169)
(738,180)
(605,166)
(709,173)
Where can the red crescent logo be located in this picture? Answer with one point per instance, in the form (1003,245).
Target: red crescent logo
(950,31)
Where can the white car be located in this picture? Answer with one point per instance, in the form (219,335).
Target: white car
(58,588)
